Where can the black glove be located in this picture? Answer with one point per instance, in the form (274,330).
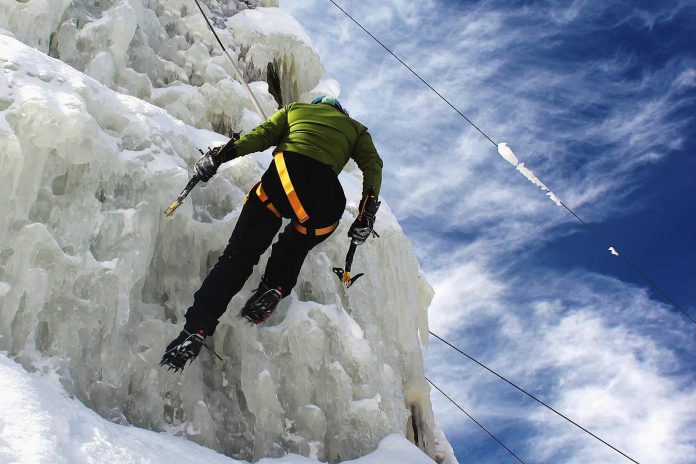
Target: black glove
(207,166)
(183,349)
(362,227)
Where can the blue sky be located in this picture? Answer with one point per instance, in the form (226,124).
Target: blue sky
(598,99)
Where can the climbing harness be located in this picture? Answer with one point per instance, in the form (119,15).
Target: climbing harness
(315,232)
(290,192)
(266,201)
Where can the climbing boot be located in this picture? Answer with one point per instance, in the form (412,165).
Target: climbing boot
(183,349)
(262,304)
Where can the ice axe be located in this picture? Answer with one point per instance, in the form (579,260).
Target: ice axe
(344,274)
(191,184)
(184,193)
(368,207)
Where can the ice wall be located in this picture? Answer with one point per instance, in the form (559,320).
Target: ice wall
(163,52)
(41,424)
(94,280)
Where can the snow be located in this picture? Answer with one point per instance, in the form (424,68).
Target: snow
(142,47)
(94,279)
(263,22)
(507,154)
(270,35)
(40,423)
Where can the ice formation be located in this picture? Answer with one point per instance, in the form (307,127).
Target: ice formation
(164,53)
(94,280)
(42,424)
(508,155)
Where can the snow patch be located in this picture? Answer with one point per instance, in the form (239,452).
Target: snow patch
(269,22)
(41,423)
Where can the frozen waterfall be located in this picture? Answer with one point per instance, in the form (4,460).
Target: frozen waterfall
(95,141)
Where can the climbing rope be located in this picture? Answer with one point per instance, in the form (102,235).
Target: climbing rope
(475,421)
(533,397)
(415,73)
(599,237)
(594,233)
(237,72)
(195,179)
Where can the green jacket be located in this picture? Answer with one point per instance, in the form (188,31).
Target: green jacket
(321,132)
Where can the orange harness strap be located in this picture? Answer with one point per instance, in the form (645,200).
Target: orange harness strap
(294,200)
(316,232)
(266,201)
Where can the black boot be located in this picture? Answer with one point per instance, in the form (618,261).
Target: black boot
(262,304)
(182,349)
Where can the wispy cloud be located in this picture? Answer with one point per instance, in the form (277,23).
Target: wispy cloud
(587,118)
(617,379)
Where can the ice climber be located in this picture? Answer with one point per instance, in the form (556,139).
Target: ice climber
(313,144)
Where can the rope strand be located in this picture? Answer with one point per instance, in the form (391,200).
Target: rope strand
(237,72)
(415,73)
(641,274)
(477,422)
(602,240)
(533,397)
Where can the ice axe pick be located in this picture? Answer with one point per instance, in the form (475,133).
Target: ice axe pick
(344,274)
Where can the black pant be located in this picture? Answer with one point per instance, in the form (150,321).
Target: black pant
(321,196)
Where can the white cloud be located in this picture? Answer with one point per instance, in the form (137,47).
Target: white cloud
(487,62)
(599,349)
(465,295)
(594,349)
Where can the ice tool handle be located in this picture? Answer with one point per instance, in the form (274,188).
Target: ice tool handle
(184,193)
(344,274)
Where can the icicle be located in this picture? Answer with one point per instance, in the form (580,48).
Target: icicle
(507,154)
(613,251)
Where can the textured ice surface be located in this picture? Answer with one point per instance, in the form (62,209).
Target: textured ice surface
(269,35)
(163,52)
(94,280)
(41,424)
